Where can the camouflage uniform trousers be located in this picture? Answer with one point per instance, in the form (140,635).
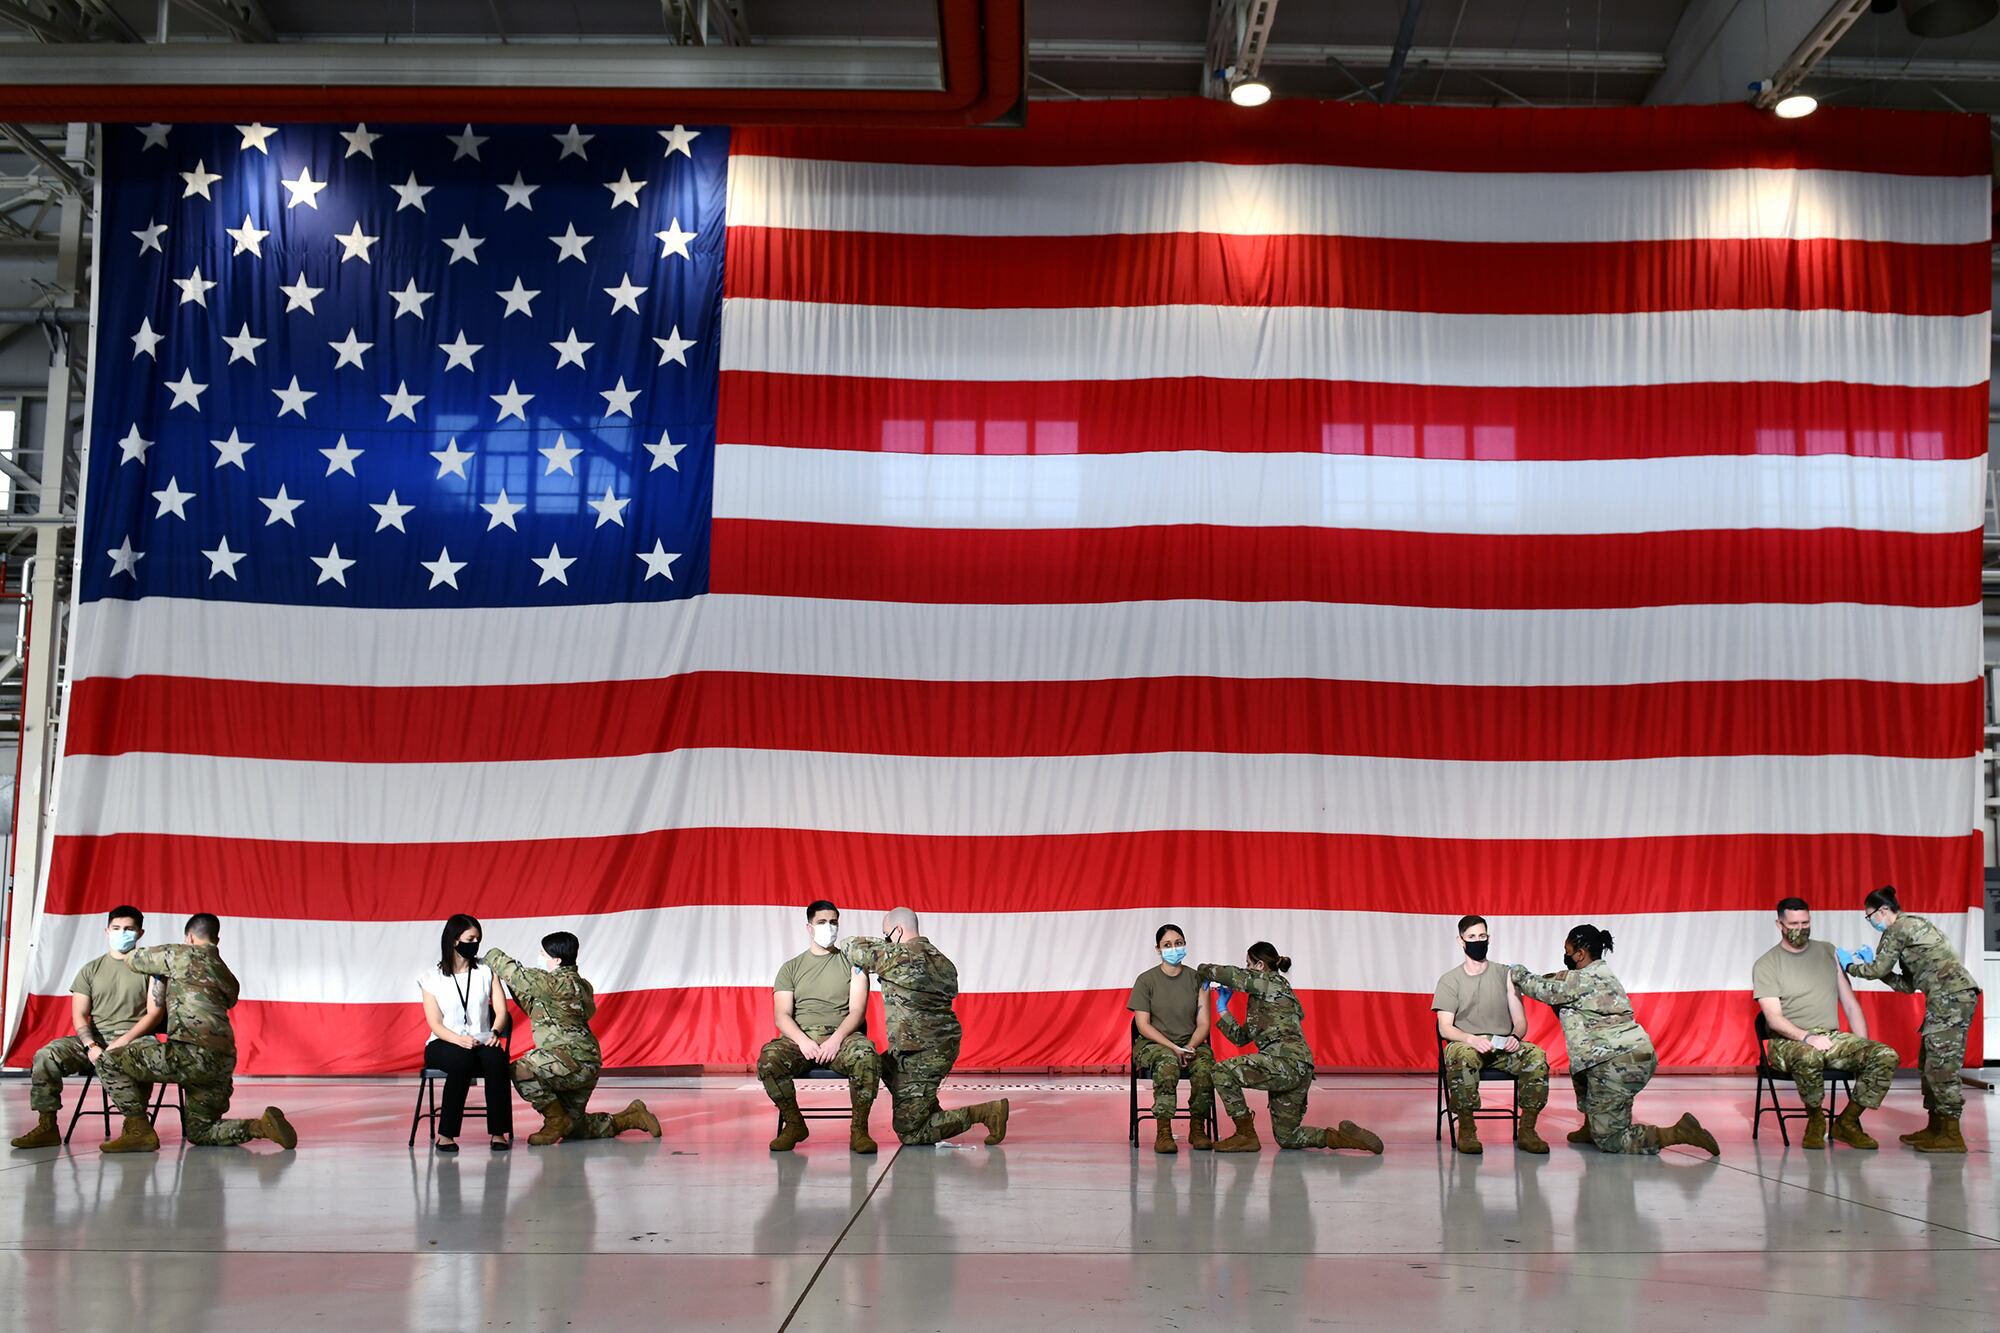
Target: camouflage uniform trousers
(781,1061)
(1872,1063)
(1526,1062)
(546,1078)
(1947,1023)
(1605,1093)
(206,1078)
(1164,1066)
(1285,1081)
(64,1055)
(913,1078)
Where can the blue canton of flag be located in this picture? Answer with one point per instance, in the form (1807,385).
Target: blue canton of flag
(403,367)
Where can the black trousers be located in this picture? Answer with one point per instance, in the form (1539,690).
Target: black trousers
(461,1067)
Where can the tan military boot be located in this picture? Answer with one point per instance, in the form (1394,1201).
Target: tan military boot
(1930,1127)
(1525,1137)
(1199,1138)
(792,1129)
(1688,1131)
(136,1136)
(993,1115)
(1581,1135)
(1815,1129)
(1945,1138)
(1163,1137)
(1847,1128)
(1466,1134)
(43,1135)
(272,1125)
(858,1138)
(1244,1139)
(555,1124)
(636,1116)
(1351,1135)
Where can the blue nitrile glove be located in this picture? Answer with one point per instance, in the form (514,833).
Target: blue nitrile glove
(1843,955)
(1222,997)
(1865,954)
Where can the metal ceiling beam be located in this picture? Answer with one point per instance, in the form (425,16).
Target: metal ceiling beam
(1406,32)
(1812,49)
(474,64)
(1238,32)
(24,139)
(1720,47)
(1359,57)
(48,21)
(242,20)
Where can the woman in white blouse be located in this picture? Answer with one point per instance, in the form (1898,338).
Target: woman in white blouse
(461,997)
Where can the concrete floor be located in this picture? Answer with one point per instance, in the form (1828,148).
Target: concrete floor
(1063,1227)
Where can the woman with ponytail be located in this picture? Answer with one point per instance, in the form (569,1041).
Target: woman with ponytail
(1915,956)
(1282,1064)
(1610,1056)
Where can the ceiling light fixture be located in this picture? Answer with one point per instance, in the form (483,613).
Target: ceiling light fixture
(1250,92)
(1796,105)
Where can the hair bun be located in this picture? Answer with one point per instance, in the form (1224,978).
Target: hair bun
(1284,963)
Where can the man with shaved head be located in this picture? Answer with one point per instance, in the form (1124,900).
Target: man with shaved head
(918,987)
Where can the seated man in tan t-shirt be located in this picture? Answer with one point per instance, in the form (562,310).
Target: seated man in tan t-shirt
(1482,1022)
(110,1006)
(821,1002)
(1798,983)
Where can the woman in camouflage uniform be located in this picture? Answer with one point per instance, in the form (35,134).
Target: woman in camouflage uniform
(1609,1053)
(1282,1064)
(556,1078)
(1915,956)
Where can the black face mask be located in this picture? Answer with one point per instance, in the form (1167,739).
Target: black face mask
(1476,950)
(467,950)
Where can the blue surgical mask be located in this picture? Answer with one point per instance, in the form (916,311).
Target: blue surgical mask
(122,941)
(1876,922)
(1175,956)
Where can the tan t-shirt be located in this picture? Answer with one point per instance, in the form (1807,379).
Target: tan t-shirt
(1476,1004)
(117,995)
(1173,1002)
(818,984)
(1806,984)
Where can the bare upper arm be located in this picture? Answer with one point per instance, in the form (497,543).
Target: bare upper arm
(781,1003)
(1445,1019)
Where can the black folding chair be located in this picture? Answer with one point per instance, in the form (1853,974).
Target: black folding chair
(827,1112)
(106,1110)
(427,1081)
(1767,1088)
(1511,1113)
(1187,1111)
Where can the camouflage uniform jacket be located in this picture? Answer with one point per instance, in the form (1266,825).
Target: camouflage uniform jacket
(1929,963)
(1596,1014)
(1275,1023)
(559,1004)
(201,990)
(918,987)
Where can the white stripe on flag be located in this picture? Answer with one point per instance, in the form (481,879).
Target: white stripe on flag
(1295,199)
(377,962)
(998,797)
(1348,491)
(1379,346)
(1120,640)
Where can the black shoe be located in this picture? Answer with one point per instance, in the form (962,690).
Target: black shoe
(442,1146)
(503,1145)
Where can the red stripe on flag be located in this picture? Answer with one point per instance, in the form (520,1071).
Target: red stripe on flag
(176,875)
(1624,139)
(473,724)
(725,1026)
(1355,272)
(1251,564)
(1324,416)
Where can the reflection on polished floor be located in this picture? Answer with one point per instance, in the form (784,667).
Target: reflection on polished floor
(1062,1227)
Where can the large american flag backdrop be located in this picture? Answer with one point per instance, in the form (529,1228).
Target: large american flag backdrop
(1310,524)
